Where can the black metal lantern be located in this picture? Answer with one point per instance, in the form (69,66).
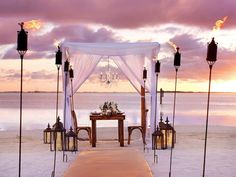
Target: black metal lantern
(58,136)
(211,52)
(66,66)
(157,67)
(71,143)
(144,74)
(58,56)
(177,59)
(47,135)
(22,40)
(71,73)
(168,132)
(158,140)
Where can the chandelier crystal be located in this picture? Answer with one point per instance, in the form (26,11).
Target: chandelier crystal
(108,77)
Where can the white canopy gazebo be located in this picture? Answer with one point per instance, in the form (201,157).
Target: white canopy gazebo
(129,57)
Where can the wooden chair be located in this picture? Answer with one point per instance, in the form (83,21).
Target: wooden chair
(141,128)
(79,128)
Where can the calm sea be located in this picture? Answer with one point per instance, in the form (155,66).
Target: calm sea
(39,108)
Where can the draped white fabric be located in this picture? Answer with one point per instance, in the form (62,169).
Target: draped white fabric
(129,57)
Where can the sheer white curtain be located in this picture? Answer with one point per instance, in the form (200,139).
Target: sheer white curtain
(132,67)
(83,65)
(129,57)
(126,65)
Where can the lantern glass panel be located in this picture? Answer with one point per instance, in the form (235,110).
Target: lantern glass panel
(169,138)
(158,142)
(72,144)
(164,138)
(59,141)
(47,137)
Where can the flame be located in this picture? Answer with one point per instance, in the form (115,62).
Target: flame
(57,42)
(33,24)
(219,23)
(173,45)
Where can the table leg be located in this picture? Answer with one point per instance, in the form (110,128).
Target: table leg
(121,130)
(94,136)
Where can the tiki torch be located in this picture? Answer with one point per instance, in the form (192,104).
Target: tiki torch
(177,59)
(22,41)
(211,59)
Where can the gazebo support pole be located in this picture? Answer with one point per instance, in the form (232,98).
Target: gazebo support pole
(143,114)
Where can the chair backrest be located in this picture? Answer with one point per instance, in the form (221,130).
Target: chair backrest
(74,120)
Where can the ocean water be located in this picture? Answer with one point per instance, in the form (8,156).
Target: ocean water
(39,108)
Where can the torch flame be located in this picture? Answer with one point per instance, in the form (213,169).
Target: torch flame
(33,24)
(219,23)
(57,42)
(173,45)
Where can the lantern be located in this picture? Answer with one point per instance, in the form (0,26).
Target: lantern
(157,139)
(71,141)
(58,133)
(211,52)
(66,66)
(58,60)
(47,135)
(177,59)
(22,40)
(168,135)
(144,74)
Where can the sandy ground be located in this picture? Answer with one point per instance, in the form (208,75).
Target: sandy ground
(37,160)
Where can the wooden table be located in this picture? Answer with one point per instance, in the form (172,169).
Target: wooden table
(119,117)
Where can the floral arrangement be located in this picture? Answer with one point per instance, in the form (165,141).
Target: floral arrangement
(109,108)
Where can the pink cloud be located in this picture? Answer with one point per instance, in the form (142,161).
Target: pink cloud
(43,46)
(123,13)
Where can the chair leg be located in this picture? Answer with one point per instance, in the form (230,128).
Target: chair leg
(90,136)
(129,131)
(143,136)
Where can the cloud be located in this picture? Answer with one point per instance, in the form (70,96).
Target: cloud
(123,13)
(13,74)
(42,46)
(193,60)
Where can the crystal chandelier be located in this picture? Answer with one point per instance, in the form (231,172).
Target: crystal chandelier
(108,77)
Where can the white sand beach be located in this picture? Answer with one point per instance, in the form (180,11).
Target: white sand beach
(37,160)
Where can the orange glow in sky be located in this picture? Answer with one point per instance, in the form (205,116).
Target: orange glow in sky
(33,24)
(173,45)
(220,23)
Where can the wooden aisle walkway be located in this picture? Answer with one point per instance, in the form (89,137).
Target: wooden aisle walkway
(109,163)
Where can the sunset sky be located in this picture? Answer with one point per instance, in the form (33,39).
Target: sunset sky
(187,23)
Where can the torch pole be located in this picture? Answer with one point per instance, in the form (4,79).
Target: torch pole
(21,88)
(58,68)
(144,144)
(171,149)
(65,90)
(206,131)
(55,155)
(54,135)
(155,120)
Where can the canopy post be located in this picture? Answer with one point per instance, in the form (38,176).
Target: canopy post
(143,110)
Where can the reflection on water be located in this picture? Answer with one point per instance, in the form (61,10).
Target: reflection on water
(39,108)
